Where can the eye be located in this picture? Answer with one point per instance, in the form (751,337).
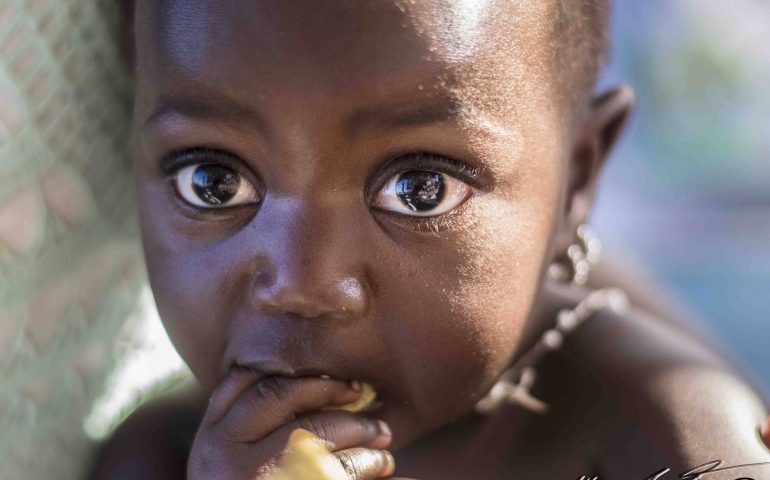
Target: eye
(422,193)
(210,185)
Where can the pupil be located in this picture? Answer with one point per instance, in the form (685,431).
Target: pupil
(420,190)
(215,184)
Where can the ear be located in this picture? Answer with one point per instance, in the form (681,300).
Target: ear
(591,146)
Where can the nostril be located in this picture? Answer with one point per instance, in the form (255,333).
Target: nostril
(274,303)
(306,310)
(269,309)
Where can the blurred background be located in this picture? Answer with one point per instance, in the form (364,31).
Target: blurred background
(686,193)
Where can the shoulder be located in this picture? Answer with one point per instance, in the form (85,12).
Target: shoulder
(154,441)
(672,401)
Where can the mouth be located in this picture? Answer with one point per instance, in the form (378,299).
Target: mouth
(264,369)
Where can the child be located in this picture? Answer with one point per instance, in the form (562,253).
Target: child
(342,192)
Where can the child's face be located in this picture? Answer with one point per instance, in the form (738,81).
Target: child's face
(317,261)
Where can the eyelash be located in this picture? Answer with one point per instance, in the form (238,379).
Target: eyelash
(171,163)
(434,162)
(433,224)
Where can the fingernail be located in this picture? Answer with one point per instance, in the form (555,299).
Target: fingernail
(355,385)
(384,428)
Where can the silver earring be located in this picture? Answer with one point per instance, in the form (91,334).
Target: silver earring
(582,256)
(515,383)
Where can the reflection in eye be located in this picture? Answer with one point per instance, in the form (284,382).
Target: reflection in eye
(422,193)
(214,186)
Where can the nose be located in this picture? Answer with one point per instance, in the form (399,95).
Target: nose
(334,299)
(310,264)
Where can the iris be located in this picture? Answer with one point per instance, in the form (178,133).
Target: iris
(215,184)
(420,190)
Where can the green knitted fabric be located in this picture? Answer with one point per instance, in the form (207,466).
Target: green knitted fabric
(70,261)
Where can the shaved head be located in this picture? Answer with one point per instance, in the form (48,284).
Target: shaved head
(579,42)
(581,47)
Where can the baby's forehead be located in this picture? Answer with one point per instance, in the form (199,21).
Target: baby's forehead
(357,34)
(463,52)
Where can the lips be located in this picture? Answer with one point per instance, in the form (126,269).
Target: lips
(267,368)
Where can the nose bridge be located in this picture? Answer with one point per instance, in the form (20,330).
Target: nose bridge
(312,236)
(311,268)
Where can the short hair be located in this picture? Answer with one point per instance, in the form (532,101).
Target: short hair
(581,48)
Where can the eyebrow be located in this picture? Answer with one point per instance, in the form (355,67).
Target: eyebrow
(215,106)
(206,106)
(385,117)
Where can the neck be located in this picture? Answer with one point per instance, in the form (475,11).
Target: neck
(551,298)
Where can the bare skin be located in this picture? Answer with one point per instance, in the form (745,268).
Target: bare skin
(316,268)
(154,442)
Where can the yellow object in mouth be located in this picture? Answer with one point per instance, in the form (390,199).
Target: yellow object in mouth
(368,395)
(307,458)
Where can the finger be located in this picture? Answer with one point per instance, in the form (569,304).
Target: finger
(276,400)
(364,463)
(230,388)
(338,430)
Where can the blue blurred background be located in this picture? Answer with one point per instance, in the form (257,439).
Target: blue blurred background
(687,191)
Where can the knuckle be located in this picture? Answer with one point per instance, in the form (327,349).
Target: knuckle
(351,465)
(362,463)
(321,428)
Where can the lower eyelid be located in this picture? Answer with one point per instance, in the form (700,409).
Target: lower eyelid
(205,215)
(450,220)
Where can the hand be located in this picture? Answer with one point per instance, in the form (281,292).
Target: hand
(247,425)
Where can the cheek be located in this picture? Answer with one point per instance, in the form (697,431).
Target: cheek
(191,305)
(190,283)
(461,305)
